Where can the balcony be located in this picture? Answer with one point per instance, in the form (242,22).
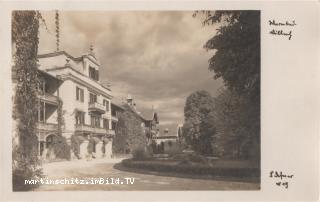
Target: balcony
(90,129)
(47,126)
(111,132)
(48,98)
(114,118)
(97,107)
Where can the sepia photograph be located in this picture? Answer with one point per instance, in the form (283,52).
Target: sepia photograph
(136,100)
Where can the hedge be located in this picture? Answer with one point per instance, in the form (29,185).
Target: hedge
(191,169)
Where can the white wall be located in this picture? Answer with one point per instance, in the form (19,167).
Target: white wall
(68,97)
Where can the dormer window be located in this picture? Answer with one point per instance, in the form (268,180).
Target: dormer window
(93,74)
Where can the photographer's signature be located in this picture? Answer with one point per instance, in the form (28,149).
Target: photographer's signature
(282,28)
(281,178)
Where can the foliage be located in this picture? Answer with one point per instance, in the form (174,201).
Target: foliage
(25,26)
(60,119)
(61,148)
(141,153)
(174,149)
(237,49)
(236,119)
(91,146)
(236,60)
(130,134)
(57,21)
(103,148)
(194,169)
(199,128)
(190,157)
(75,145)
(207,134)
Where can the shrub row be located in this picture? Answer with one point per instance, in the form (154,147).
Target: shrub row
(192,169)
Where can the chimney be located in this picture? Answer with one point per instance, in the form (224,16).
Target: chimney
(129,100)
(91,51)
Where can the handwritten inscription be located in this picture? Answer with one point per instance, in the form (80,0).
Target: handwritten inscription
(281,28)
(281,178)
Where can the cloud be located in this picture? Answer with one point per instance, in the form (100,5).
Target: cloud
(156,56)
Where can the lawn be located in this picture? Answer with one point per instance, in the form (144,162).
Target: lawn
(198,167)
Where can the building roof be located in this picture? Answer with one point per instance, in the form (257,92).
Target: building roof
(76,59)
(44,73)
(149,114)
(57,54)
(171,128)
(144,114)
(118,103)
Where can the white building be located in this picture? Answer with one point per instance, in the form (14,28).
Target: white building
(73,83)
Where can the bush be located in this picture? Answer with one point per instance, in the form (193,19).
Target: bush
(75,145)
(193,169)
(19,176)
(140,153)
(90,146)
(61,148)
(174,149)
(191,157)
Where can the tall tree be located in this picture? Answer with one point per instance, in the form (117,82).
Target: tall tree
(237,49)
(25,26)
(237,61)
(199,129)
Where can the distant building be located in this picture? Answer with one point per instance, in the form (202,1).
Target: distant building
(167,137)
(168,132)
(147,118)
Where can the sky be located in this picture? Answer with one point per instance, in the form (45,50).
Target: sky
(156,56)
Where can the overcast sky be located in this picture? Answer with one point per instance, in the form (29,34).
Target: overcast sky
(157,57)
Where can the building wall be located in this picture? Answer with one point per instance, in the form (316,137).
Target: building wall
(57,61)
(67,95)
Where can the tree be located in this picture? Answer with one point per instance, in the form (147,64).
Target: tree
(237,49)
(237,61)
(25,27)
(199,129)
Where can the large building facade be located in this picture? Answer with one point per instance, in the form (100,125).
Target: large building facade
(74,102)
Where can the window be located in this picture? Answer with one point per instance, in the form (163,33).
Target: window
(113,125)
(106,104)
(92,98)
(93,73)
(95,121)
(80,118)
(79,94)
(106,123)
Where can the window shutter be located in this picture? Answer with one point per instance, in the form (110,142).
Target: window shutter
(77,93)
(82,95)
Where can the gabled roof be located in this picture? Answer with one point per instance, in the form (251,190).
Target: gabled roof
(171,128)
(149,114)
(57,54)
(117,103)
(144,114)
